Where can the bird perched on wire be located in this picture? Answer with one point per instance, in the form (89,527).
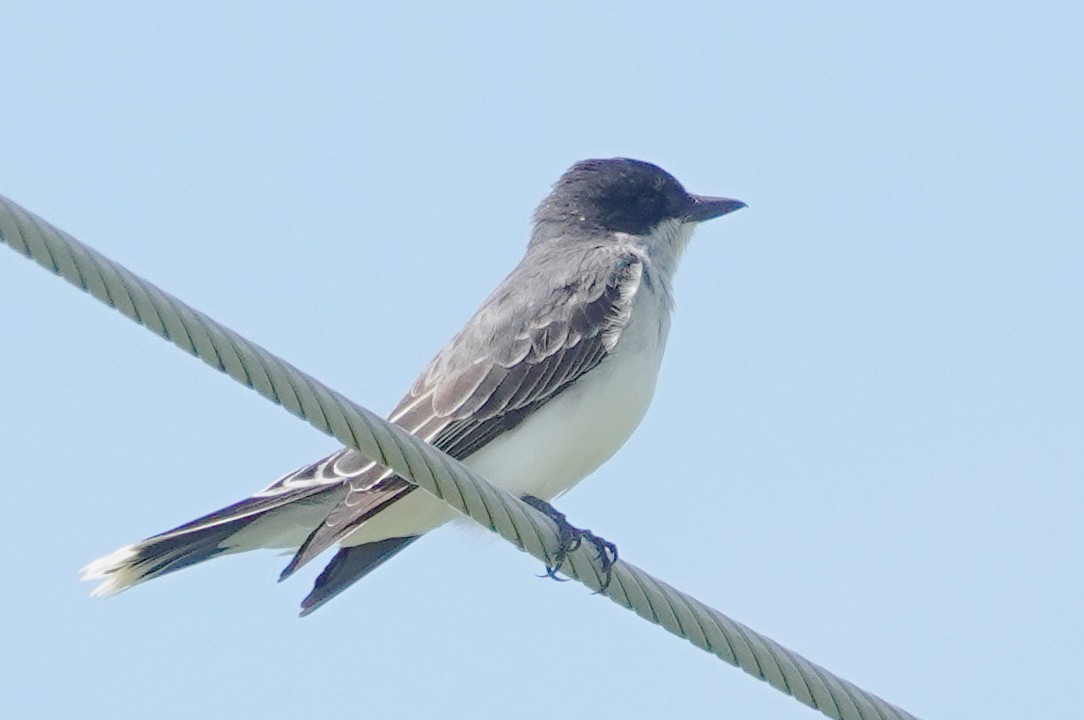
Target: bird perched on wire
(544,383)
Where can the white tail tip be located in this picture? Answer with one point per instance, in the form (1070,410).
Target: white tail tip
(114,570)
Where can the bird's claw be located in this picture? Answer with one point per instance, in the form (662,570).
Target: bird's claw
(570,540)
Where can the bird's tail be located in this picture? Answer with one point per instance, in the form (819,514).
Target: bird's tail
(278,521)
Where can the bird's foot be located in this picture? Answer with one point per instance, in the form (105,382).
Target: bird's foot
(570,540)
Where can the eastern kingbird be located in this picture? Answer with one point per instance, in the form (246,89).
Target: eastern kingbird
(545,383)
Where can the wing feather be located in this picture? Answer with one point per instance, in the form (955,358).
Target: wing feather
(521,349)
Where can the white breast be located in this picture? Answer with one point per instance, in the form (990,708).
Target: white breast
(566,439)
(572,435)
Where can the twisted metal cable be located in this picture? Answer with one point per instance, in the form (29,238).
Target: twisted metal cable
(424,465)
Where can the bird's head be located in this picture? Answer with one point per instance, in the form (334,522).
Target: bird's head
(625,196)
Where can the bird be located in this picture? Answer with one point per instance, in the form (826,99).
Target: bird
(545,382)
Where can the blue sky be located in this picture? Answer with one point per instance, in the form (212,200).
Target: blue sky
(866,441)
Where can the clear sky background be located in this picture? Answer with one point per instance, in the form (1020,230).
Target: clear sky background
(866,441)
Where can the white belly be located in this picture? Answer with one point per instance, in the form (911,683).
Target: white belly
(562,442)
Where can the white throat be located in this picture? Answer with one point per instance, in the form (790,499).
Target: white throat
(664,247)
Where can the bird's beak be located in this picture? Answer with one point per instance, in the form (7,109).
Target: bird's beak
(705,208)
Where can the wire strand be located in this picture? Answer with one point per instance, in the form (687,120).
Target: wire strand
(437,473)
